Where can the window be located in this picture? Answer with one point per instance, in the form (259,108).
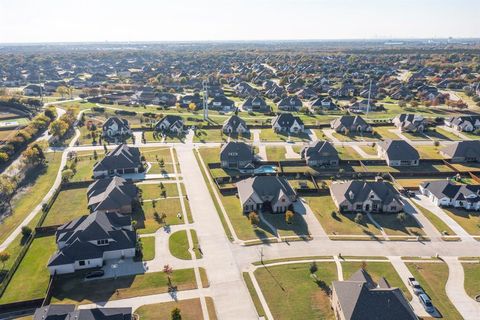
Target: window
(359,207)
(102,242)
(393,208)
(81,262)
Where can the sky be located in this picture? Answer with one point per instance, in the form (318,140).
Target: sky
(197,20)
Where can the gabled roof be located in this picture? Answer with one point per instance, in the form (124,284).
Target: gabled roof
(110,194)
(68,312)
(170,120)
(399,150)
(349,121)
(122,156)
(463,149)
(261,186)
(78,235)
(360,299)
(286,120)
(235,121)
(354,191)
(121,123)
(236,151)
(319,150)
(444,188)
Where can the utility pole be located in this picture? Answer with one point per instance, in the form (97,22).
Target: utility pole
(205,100)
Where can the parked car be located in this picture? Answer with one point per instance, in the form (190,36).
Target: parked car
(426,302)
(416,287)
(95,274)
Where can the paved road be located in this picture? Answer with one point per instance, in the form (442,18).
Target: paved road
(232,299)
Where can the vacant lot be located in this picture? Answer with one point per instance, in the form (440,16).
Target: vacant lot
(472,279)
(433,277)
(160,159)
(149,222)
(30,281)
(292,293)
(189,309)
(69,205)
(275,153)
(271,135)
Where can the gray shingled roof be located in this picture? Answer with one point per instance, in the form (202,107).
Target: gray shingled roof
(463,149)
(399,150)
(360,299)
(261,186)
(120,122)
(234,121)
(286,120)
(319,150)
(444,188)
(358,191)
(68,312)
(236,151)
(110,194)
(78,233)
(121,157)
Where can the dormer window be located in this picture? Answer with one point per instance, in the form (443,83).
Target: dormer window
(102,242)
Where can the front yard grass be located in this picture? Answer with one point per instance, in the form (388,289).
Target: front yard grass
(158,190)
(356,136)
(433,277)
(430,152)
(370,150)
(292,293)
(335,223)
(178,245)
(438,223)
(275,153)
(347,153)
(148,245)
(217,135)
(190,309)
(27,199)
(73,289)
(84,165)
(472,279)
(155,156)
(377,270)
(30,280)
(393,226)
(271,135)
(468,220)
(69,204)
(147,222)
(210,154)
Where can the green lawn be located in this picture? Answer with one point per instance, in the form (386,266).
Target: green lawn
(73,289)
(146,220)
(377,270)
(270,135)
(447,135)
(347,153)
(84,164)
(217,135)
(438,223)
(275,153)
(155,156)
(29,198)
(354,136)
(190,309)
(148,248)
(370,150)
(385,132)
(210,155)
(195,244)
(155,191)
(433,277)
(178,245)
(468,220)
(335,223)
(292,293)
(30,281)
(393,226)
(69,205)
(472,279)
(429,152)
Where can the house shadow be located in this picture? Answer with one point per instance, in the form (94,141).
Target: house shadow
(75,288)
(391,221)
(138,215)
(262,235)
(244,136)
(297,225)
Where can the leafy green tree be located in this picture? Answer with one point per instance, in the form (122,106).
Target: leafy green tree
(176,314)
(4,256)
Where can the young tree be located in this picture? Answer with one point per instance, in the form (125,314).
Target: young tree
(7,188)
(176,314)
(26,231)
(313,267)
(402,217)
(67,175)
(254,219)
(289,216)
(58,128)
(359,218)
(4,256)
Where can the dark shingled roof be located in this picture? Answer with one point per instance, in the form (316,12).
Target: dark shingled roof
(361,299)
(110,194)
(463,149)
(358,191)
(68,312)
(399,150)
(78,233)
(121,157)
(286,120)
(235,121)
(319,150)
(236,151)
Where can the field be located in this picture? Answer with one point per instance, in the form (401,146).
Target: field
(68,205)
(292,293)
(468,220)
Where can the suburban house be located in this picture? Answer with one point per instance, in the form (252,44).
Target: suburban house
(350,124)
(123,159)
(363,106)
(323,103)
(235,125)
(68,312)
(398,153)
(32,90)
(407,122)
(290,103)
(463,123)
(320,153)
(236,155)
(170,124)
(360,298)
(112,194)
(286,122)
(167,99)
(444,193)
(265,193)
(222,103)
(256,104)
(115,127)
(366,196)
(88,241)
(189,99)
(462,151)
